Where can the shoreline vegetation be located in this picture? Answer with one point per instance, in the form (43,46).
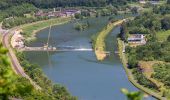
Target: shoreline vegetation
(130,75)
(99,44)
(29,30)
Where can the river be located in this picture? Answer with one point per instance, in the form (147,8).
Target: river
(80,72)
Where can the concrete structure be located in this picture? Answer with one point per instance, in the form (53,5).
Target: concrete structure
(151,2)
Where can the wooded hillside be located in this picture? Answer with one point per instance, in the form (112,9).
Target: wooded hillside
(62,3)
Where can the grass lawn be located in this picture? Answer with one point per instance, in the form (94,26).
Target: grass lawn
(29,29)
(163,35)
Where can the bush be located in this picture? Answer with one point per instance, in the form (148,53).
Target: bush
(141,79)
(81,26)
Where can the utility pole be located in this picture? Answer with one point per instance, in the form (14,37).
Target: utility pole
(48,36)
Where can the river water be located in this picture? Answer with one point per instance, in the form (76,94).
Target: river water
(80,72)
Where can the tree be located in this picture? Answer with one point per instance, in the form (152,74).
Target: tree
(123,32)
(132,62)
(7,76)
(168,39)
(134,10)
(165,23)
(138,95)
(78,16)
(168,1)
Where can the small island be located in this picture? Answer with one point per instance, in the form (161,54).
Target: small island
(81,26)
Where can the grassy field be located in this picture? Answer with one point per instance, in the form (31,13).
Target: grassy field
(100,40)
(30,29)
(163,35)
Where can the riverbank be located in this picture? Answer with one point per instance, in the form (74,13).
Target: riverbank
(130,75)
(32,72)
(100,45)
(30,30)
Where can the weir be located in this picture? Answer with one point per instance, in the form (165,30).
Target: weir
(66,48)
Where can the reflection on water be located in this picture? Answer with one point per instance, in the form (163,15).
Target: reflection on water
(80,72)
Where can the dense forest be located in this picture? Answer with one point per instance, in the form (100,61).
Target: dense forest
(62,3)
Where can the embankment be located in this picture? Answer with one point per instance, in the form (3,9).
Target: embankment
(99,46)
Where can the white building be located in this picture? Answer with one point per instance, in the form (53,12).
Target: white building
(137,38)
(142,1)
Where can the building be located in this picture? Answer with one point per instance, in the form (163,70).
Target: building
(137,39)
(154,2)
(71,12)
(142,1)
(60,13)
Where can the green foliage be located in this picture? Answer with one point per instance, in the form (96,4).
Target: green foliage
(107,11)
(141,79)
(63,3)
(132,62)
(151,51)
(166,23)
(138,30)
(81,26)
(18,10)
(162,73)
(85,13)
(6,81)
(168,39)
(134,10)
(132,95)
(144,23)
(11,85)
(78,16)
(164,9)
(168,1)
(12,22)
(93,40)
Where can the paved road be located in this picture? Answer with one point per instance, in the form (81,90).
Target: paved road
(15,63)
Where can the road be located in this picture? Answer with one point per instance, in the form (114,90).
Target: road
(14,61)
